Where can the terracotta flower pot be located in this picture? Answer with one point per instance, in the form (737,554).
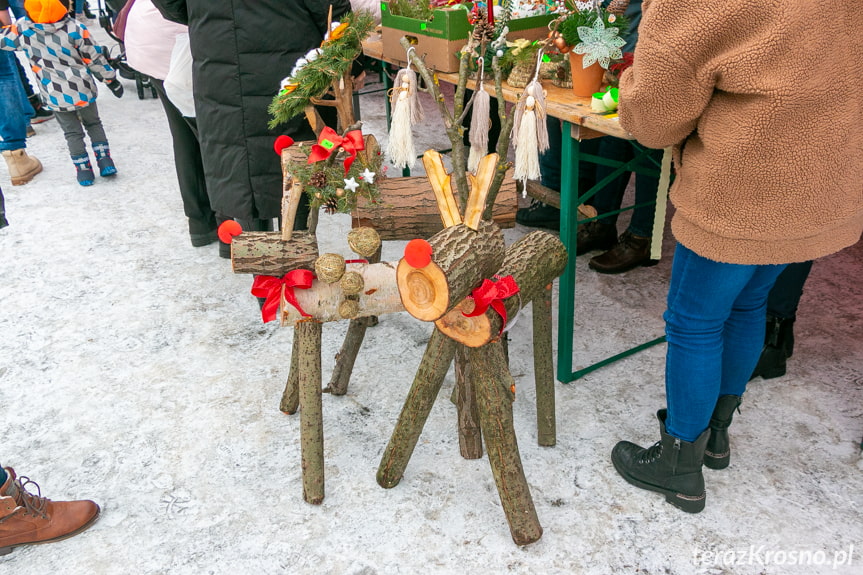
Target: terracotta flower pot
(585,81)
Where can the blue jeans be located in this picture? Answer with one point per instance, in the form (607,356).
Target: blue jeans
(17,7)
(14,107)
(714,325)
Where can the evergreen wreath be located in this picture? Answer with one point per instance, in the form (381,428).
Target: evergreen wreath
(314,73)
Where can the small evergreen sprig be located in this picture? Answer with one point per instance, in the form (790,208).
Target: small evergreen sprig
(334,58)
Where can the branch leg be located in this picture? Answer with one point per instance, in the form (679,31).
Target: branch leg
(426,385)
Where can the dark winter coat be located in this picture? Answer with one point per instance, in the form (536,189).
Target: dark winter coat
(241,52)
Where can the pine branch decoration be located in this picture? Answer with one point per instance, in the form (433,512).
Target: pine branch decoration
(334,58)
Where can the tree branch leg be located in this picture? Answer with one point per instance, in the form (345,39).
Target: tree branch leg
(426,385)
(492,381)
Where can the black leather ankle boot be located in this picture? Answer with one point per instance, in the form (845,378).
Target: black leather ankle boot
(778,347)
(671,466)
(717,454)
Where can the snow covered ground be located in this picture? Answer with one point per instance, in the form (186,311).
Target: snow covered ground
(135,370)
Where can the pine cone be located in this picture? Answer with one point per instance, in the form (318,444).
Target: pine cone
(331,205)
(318,180)
(618,7)
(483,31)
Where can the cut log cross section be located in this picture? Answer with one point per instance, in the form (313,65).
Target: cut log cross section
(533,261)
(461,259)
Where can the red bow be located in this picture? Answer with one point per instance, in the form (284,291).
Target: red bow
(270,287)
(329,141)
(492,294)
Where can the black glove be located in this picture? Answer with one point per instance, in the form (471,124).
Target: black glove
(116,88)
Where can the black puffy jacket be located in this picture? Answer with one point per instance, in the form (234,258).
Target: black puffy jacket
(241,52)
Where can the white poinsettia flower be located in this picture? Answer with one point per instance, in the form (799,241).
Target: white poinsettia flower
(599,44)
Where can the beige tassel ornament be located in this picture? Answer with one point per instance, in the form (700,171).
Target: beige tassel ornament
(480,121)
(406,113)
(529,133)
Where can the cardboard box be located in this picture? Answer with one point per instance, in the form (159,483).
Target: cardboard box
(437,41)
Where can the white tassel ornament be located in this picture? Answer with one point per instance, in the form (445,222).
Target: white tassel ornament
(529,133)
(480,123)
(406,113)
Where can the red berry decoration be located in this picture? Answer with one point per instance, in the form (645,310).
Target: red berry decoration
(228,230)
(418,253)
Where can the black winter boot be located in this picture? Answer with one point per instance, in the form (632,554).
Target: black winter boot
(717,454)
(671,466)
(778,346)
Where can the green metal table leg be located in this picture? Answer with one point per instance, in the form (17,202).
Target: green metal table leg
(569,201)
(568,226)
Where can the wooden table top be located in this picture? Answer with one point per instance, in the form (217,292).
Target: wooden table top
(560,102)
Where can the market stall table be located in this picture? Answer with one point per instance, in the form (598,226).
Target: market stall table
(581,123)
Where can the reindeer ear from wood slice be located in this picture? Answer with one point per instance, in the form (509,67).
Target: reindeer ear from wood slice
(371,151)
(290,203)
(440,183)
(480,186)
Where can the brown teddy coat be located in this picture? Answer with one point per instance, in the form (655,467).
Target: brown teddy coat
(763,103)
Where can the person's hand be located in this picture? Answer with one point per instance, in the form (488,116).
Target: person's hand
(116,88)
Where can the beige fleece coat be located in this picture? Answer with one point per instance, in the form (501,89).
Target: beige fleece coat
(763,103)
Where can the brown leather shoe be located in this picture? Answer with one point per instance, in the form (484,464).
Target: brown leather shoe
(630,252)
(595,235)
(29,519)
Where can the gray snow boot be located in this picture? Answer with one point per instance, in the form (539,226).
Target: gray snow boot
(717,454)
(671,466)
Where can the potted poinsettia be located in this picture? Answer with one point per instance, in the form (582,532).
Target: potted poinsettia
(592,34)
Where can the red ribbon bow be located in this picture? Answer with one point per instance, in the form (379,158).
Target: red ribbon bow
(492,294)
(330,141)
(270,287)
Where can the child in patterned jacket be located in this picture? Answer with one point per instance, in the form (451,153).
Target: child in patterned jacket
(65,60)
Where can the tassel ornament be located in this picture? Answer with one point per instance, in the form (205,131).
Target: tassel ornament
(406,113)
(529,133)
(480,122)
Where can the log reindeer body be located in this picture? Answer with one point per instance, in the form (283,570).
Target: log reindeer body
(322,301)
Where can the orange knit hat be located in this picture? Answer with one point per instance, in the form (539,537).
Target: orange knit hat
(45,11)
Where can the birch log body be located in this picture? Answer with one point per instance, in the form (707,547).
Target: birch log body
(380,296)
(265,253)
(533,261)
(461,258)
